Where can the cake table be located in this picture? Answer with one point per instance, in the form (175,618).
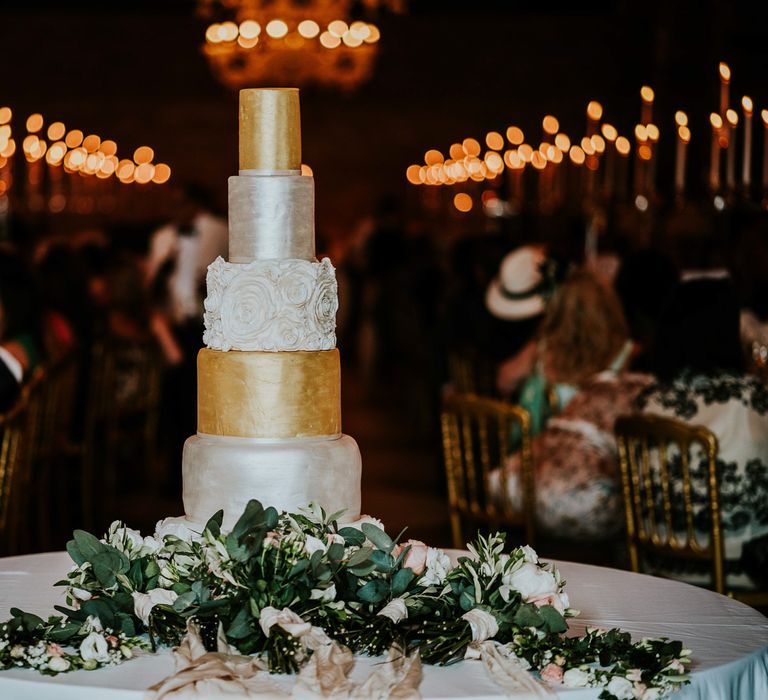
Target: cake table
(729,639)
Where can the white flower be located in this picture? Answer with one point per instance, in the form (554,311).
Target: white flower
(17,651)
(313,544)
(652,694)
(531,581)
(150,546)
(125,539)
(358,524)
(80,594)
(529,554)
(621,688)
(676,666)
(94,647)
(575,678)
(326,595)
(175,527)
(58,664)
(334,538)
(92,624)
(144,602)
(438,566)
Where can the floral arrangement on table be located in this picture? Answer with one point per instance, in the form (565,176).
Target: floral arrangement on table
(279,587)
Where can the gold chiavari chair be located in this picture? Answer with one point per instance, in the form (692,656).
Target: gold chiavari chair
(13,466)
(476,435)
(655,455)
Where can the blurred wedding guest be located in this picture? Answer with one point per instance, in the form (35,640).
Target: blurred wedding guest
(585,341)
(20,346)
(181,251)
(701,380)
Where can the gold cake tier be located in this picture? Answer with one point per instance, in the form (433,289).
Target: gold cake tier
(269,394)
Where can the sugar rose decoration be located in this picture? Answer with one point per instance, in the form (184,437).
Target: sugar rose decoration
(271,305)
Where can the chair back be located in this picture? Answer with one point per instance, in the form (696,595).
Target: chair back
(660,471)
(13,462)
(476,434)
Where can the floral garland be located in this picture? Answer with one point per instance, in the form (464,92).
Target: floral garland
(273,573)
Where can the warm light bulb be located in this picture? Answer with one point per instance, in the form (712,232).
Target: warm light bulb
(463,202)
(746,103)
(550,125)
(594,111)
(563,142)
(143,154)
(329,41)
(646,93)
(515,135)
(715,120)
(576,155)
(681,118)
(609,132)
(309,29)
(250,29)
(732,116)
(338,28)
(277,29)
(494,140)
(725,72)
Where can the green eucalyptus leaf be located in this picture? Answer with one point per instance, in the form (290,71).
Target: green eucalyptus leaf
(62,634)
(359,557)
(88,545)
(271,517)
(401,580)
(527,615)
(374,591)
(379,538)
(184,601)
(152,569)
(252,517)
(28,621)
(75,554)
(107,564)
(553,620)
(214,523)
(335,552)
(352,536)
(240,627)
(363,569)
(299,567)
(383,561)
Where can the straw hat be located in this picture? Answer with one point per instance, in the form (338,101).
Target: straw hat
(523,285)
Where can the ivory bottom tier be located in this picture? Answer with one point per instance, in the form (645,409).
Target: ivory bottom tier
(222,472)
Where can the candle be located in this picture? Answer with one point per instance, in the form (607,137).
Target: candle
(594,114)
(725,79)
(652,132)
(683,138)
(623,148)
(610,134)
(646,113)
(642,155)
(730,169)
(764,115)
(746,162)
(714,167)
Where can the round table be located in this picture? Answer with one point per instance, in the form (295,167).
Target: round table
(729,640)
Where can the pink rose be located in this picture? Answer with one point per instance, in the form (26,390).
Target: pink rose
(416,559)
(54,650)
(553,600)
(639,689)
(552,673)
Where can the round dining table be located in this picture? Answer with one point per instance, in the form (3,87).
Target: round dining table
(728,640)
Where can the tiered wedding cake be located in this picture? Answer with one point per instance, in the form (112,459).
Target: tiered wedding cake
(268,399)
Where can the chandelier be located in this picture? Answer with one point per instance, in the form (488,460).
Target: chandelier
(298,42)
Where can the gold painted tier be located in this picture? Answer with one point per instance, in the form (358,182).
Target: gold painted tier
(269,394)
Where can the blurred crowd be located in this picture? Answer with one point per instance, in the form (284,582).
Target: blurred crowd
(577,331)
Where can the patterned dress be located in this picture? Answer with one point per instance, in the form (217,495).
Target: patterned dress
(576,470)
(735,408)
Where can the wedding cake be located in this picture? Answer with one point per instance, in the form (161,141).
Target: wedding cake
(269,384)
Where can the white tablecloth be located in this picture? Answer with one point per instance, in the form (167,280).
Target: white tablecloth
(729,640)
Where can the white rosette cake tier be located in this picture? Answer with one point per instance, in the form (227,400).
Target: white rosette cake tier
(269,409)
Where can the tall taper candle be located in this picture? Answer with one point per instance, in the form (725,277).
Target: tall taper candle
(683,137)
(725,79)
(714,166)
(746,161)
(646,113)
(764,116)
(730,169)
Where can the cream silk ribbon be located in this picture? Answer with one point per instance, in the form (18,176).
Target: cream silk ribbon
(225,674)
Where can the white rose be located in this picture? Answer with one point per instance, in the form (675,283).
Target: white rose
(529,554)
(144,602)
(327,595)
(313,544)
(80,594)
(94,647)
(575,678)
(150,546)
(125,539)
(17,651)
(358,524)
(58,664)
(621,688)
(652,694)
(438,566)
(93,624)
(531,581)
(175,527)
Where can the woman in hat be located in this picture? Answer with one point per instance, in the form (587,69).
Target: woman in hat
(583,345)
